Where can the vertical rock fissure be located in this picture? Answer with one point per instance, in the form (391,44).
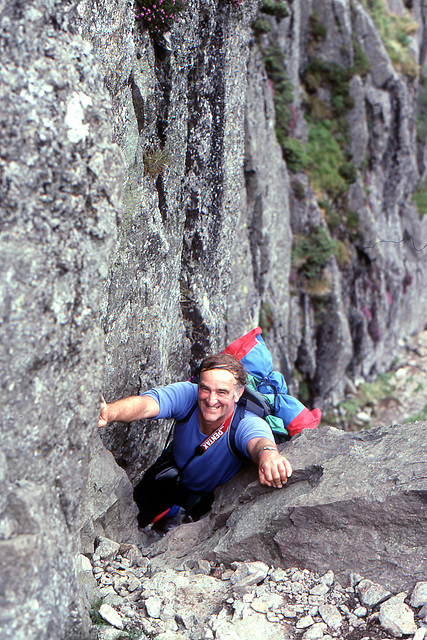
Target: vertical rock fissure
(204,179)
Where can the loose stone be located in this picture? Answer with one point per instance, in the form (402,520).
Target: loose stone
(371,594)
(315,632)
(419,595)
(153,606)
(304,622)
(396,617)
(331,616)
(111,616)
(263,602)
(319,590)
(420,634)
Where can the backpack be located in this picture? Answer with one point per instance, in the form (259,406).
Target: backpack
(266,393)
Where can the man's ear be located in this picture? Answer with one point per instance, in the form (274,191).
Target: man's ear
(238,394)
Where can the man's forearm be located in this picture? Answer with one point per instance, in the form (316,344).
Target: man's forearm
(258,445)
(128,410)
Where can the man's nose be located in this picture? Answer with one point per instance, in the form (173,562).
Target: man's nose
(212,397)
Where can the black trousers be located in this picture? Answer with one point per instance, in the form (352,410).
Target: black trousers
(153,497)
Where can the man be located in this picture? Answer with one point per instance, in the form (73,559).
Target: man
(203,413)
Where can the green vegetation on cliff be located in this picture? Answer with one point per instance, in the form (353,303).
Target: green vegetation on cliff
(395,31)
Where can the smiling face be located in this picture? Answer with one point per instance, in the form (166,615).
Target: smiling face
(218,394)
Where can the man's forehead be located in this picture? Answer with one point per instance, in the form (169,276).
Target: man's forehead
(218,375)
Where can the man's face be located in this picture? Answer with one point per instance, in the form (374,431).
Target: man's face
(217,396)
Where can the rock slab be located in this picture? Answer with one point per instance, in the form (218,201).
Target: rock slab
(355,500)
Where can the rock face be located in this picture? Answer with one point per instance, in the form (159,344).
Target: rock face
(61,179)
(205,247)
(355,502)
(107,508)
(203,253)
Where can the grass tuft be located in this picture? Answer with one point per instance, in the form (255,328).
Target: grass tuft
(155,161)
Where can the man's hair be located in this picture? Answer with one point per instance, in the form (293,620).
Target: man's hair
(227,362)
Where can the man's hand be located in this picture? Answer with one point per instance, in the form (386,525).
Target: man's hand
(273,469)
(103,414)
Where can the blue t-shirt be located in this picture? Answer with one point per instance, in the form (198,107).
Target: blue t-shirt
(216,465)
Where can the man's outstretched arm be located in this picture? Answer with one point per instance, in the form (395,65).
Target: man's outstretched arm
(128,410)
(273,468)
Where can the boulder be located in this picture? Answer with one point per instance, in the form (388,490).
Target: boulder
(355,503)
(108,508)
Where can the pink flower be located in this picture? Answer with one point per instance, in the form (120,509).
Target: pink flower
(367,313)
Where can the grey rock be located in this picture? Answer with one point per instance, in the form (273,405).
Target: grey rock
(370,593)
(304,622)
(86,581)
(315,632)
(358,122)
(58,229)
(278,575)
(108,509)
(367,35)
(204,567)
(153,606)
(319,590)
(419,595)
(396,617)
(248,573)
(328,578)
(133,583)
(109,633)
(111,616)
(206,221)
(331,616)
(187,618)
(355,578)
(106,549)
(342,483)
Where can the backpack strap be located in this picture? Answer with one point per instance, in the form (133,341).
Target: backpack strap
(254,402)
(239,413)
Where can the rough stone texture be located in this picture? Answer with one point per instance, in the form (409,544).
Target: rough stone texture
(396,617)
(211,231)
(204,251)
(60,196)
(108,508)
(205,600)
(260,265)
(363,492)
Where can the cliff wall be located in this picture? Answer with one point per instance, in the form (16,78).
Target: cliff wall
(61,182)
(239,140)
(285,195)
